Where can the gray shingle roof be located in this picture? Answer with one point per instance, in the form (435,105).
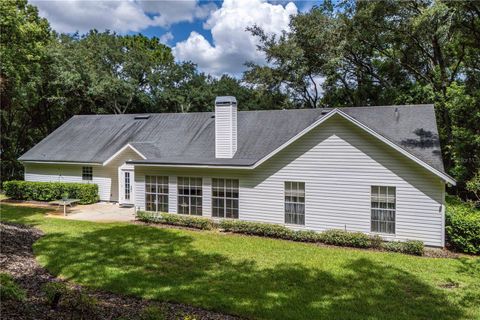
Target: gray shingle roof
(189,138)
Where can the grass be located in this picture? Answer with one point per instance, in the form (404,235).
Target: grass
(9,290)
(253,277)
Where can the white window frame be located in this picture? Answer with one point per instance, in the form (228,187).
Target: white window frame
(385,210)
(85,173)
(160,183)
(226,199)
(287,203)
(190,197)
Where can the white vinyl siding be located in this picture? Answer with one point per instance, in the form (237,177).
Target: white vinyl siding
(225,131)
(339,163)
(106,177)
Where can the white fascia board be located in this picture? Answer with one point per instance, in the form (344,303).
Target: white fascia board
(425,165)
(190,166)
(63,162)
(443,176)
(128,145)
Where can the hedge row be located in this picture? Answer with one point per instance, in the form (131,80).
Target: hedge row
(462,226)
(176,220)
(333,237)
(49,191)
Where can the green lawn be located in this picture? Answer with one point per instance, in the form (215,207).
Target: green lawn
(254,277)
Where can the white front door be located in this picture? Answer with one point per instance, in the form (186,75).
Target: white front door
(126,190)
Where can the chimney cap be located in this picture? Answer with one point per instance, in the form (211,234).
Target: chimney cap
(225,100)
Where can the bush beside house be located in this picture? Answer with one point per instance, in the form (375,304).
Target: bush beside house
(176,220)
(462,226)
(332,237)
(48,191)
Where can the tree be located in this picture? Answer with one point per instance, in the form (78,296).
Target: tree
(24,37)
(386,52)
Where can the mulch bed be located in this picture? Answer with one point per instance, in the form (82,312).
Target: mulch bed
(18,260)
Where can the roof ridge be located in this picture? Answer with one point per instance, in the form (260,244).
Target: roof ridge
(251,111)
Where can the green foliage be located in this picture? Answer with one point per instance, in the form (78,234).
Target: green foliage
(75,301)
(240,275)
(176,220)
(153,313)
(331,237)
(381,53)
(346,239)
(9,290)
(473,185)
(48,191)
(23,41)
(257,229)
(46,78)
(462,226)
(413,247)
(82,305)
(54,291)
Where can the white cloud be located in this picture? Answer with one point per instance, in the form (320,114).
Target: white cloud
(232,44)
(166,37)
(120,15)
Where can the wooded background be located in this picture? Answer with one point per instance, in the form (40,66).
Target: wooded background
(342,53)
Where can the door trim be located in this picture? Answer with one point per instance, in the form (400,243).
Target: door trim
(121,181)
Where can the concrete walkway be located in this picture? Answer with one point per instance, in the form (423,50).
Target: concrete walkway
(101,212)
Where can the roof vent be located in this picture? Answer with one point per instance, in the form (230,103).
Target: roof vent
(142,117)
(397,114)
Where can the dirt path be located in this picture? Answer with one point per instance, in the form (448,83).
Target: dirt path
(18,260)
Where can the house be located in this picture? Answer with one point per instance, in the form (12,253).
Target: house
(369,169)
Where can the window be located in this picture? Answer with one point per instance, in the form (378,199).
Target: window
(295,202)
(190,196)
(87,173)
(383,209)
(225,198)
(156,193)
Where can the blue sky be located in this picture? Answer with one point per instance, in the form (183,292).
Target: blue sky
(210,33)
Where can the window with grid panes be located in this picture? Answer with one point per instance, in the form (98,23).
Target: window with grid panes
(225,198)
(87,173)
(295,202)
(383,201)
(156,193)
(189,195)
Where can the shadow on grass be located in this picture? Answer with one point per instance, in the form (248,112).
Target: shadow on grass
(22,214)
(164,264)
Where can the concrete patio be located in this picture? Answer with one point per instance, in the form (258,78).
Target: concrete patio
(101,211)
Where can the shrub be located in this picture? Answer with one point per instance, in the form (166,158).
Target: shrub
(346,239)
(462,226)
(48,191)
(414,247)
(149,217)
(54,291)
(9,290)
(306,236)
(176,220)
(79,303)
(82,305)
(376,241)
(258,229)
